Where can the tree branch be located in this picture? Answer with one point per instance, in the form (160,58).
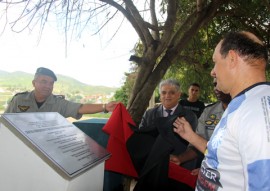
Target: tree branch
(154,19)
(168,25)
(146,33)
(132,14)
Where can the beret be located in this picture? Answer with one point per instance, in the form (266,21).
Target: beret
(46,72)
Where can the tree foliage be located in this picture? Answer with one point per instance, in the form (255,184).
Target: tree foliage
(196,61)
(174,34)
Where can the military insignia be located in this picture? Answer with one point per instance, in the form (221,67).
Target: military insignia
(23,108)
(216,121)
(212,116)
(206,152)
(209,122)
(213,120)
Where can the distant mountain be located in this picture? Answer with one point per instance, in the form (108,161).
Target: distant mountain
(22,81)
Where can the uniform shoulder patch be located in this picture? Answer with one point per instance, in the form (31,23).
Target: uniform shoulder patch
(21,93)
(23,108)
(60,96)
(209,105)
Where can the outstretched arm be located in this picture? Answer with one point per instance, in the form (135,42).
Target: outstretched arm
(183,128)
(95,108)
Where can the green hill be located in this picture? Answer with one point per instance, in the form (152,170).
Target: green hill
(23,81)
(74,90)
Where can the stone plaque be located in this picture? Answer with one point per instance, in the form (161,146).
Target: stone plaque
(66,146)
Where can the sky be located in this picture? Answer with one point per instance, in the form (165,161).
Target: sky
(94,60)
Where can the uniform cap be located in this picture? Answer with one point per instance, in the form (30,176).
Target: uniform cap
(46,72)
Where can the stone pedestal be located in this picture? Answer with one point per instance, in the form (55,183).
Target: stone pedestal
(25,169)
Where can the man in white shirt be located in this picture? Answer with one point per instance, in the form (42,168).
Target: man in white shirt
(237,157)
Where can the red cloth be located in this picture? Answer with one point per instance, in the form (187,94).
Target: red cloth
(181,174)
(118,129)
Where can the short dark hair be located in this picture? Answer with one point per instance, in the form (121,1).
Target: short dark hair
(195,84)
(244,45)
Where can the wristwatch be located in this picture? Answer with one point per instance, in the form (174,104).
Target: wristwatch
(104,108)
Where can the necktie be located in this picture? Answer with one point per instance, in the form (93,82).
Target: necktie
(169,111)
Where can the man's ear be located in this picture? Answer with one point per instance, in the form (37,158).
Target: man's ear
(232,58)
(180,93)
(33,82)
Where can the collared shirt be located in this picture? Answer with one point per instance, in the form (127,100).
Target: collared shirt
(25,102)
(165,114)
(209,119)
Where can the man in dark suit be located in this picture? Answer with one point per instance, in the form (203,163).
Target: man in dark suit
(152,143)
(170,93)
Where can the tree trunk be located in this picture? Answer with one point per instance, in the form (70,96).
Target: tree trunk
(152,69)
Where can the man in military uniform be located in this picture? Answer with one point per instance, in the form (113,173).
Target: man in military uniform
(206,125)
(41,99)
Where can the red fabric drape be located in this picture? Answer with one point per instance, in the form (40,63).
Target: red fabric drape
(118,129)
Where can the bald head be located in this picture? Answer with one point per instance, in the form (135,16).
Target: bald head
(252,37)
